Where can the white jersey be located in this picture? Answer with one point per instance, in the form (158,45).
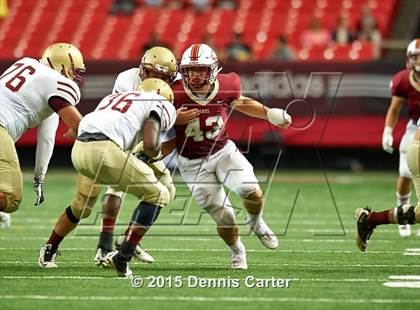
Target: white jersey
(121,117)
(25,89)
(129,80)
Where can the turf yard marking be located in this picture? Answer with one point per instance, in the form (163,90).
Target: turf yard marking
(406,277)
(214,299)
(404,281)
(215,250)
(412,252)
(119,278)
(208,239)
(222,264)
(405,284)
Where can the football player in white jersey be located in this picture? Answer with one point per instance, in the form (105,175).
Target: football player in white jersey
(103,156)
(157,62)
(36,94)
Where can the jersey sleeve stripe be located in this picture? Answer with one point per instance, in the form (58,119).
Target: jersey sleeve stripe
(66,91)
(69,86)
(169,117)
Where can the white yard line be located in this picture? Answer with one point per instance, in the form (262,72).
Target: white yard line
(214,299)
(91,249)
(405,277)
(403,284)
(211,238)
(185,278)
(337,264)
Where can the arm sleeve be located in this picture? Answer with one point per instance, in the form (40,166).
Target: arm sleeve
(126,81)
(53,86)
(117,85)
(45,144)
(235,87)
(397,86)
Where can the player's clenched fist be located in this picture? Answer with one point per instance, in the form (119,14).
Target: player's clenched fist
(387,140)
(279,117)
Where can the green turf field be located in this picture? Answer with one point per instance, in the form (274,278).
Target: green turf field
(326,268)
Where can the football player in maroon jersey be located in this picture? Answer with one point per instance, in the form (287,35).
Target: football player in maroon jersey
(367,220)
(208,160)
(405,89)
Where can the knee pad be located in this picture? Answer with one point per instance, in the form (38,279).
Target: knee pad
(405,215)
(82,205)
(13,201)
(223,216)
(403,166)
(114,192)
(247,190)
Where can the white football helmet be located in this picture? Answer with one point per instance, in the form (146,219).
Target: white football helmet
(200,55)
(413,55)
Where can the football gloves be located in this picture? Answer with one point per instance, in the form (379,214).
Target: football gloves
(387,140)
(38,187)
(279,117)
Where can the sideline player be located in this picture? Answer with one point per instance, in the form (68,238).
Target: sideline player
(208,160)
(405,89)
(367,220)
(31,91)
(102,155)
(157,62)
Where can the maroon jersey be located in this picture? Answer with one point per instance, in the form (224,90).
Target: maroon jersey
(206,134)
(403,85)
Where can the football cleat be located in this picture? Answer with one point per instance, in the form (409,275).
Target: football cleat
(5,220)
(238,260)
(100,257)
(47,257)
(120,265)
(139,253)
(363,229)
(404,230)
(265,234)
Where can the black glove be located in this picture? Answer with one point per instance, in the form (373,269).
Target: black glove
(38,187)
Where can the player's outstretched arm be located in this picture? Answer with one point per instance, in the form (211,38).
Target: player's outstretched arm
(251,107)
(71,117)
(44,148)
(390,122)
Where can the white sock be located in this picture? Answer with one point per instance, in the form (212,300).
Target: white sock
(237,247)
(402,200)
(252,220)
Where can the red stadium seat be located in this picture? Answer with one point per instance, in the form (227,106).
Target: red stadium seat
(102,36)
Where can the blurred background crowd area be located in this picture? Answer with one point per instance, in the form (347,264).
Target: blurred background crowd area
(239,30)
(329,62)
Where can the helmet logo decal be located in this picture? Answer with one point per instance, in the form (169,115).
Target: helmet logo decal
(50,63)
(194,52)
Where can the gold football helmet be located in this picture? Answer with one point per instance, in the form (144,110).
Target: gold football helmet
(158,62)
(157,86)
(66,59)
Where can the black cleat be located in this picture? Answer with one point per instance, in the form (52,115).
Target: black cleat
(363,229)
(120,265)
(47,257)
